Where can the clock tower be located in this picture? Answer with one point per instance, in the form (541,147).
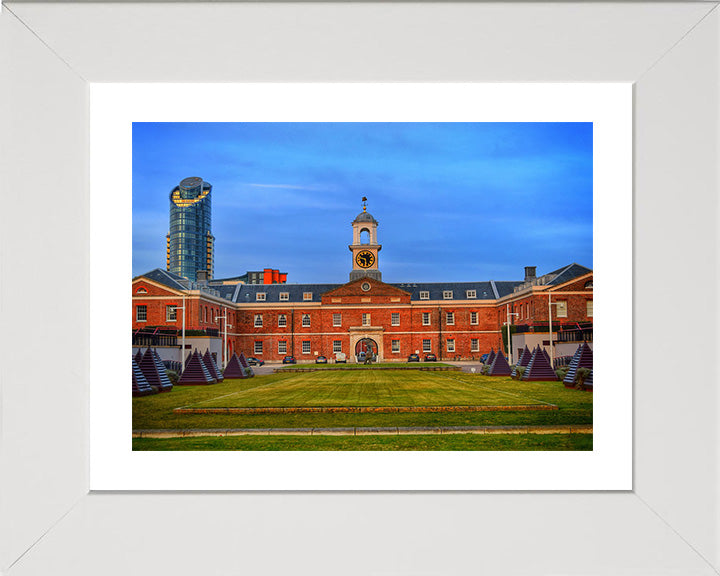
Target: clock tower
(365,246)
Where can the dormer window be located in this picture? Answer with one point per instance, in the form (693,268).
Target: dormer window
(424,295)
(260,297)
(470,294)
(447,294)
(284,296)
(307,295)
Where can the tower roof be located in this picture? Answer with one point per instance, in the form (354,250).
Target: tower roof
(365,217)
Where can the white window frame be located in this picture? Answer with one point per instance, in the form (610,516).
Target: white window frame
(426,316)
(474,344)
(258,323)
(260,297)
(284,296)
(589,308)
(307,295)
(282,321)
(395,318)
(471,294)
(424,295)
(561,308)
(171,308)
(305,321)
(258,348)
(473,318)
(450,318)
(426,345)
(137,312)
(447,294)
(450,344)
(282,346)
(337,346)
(337,319)
(395,346)
(306,346)
(366,321)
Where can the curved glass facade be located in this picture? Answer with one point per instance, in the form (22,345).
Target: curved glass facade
(190,243)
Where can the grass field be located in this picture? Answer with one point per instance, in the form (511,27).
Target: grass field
(366,388)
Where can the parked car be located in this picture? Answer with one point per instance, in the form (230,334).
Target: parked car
(340,358)
(430,358)
(321,360)
(413,358)
(252,361)
(289,360)
(361,357)
(484,357)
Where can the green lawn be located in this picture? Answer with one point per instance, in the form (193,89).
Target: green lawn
(356,366)
(454,442)
(156,412)
(376,388)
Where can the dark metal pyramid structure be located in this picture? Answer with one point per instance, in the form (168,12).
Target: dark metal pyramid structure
(539,367)
(234,369)
(547,356)
(244,364)
(211,366)
(138,356)
(490,358)
(523,361)
(499,367)
(583,358)
(140,386)
(196,372)
(154,371)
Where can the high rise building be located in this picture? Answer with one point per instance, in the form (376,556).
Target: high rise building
(190,243)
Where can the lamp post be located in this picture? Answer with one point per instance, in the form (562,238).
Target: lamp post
(552,350)
(182,349)
(509,336)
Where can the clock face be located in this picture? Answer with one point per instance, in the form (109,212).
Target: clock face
(365,259)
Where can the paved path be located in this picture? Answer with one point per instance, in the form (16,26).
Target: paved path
(365,431)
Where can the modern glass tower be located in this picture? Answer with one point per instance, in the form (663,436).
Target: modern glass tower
(190,243)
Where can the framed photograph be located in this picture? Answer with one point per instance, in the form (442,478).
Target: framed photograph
(68,233)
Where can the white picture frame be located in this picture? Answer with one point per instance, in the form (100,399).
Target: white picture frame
(49,523)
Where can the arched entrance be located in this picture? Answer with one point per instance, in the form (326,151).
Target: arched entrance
(364,346)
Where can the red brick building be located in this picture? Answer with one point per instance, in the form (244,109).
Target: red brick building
(454,320)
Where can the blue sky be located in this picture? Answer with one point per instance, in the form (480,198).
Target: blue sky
(455,201)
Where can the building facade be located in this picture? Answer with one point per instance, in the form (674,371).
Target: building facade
(453,320)
(190,243)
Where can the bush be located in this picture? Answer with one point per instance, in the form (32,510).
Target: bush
(485,370)
(580,376)
(562,372)
(519,371)
(173,376)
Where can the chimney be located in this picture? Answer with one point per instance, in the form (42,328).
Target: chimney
(202,277)
(530,273)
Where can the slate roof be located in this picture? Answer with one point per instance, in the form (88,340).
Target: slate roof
(246,293)
(365,217)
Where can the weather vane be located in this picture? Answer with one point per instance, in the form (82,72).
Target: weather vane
(364,201)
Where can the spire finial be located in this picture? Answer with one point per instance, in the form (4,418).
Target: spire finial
(364,201)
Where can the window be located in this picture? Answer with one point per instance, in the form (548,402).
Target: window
(473,318)
(424,295)
(257,349)
(426,345)
(258,321)
(337,320)
(396,346)
(307,295)
(171,313)
(470,294)
(337,346)
(282,347)
(282,321)
(426,318)
(450,318)
(284,296)
(306,320)
(395,319)
(365,319)
(306,347)
(474,345)
(589,305)
(561,308)
(260,297)
(451,345)
(447,294)
(141,290)
(588,285)
(141,313)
